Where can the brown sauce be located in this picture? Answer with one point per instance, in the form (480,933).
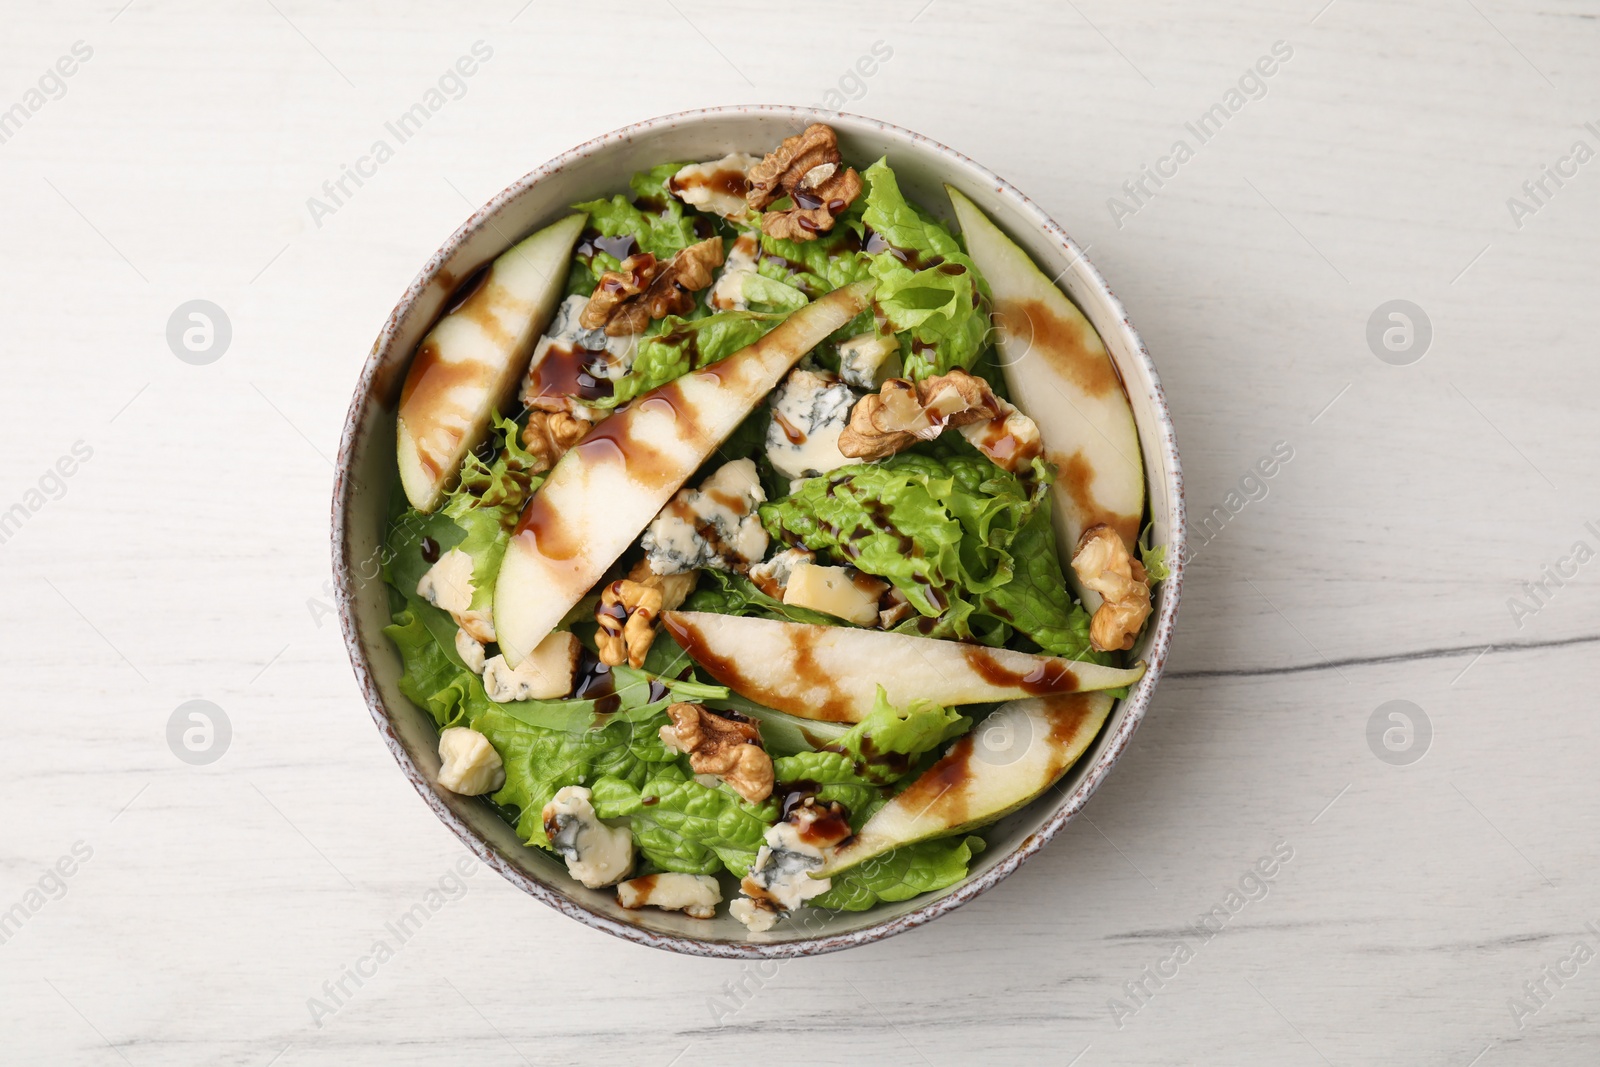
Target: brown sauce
(427,386)
(1060,343)
(792,795)
(795,435)
(941,789)
(620,247)
(483,308)
(1041,676)
(596,682)
(1075,476)
(430,550)
(1066,715)
(828,828)
(460,294)
(566,370)
(727,181)
(552,537)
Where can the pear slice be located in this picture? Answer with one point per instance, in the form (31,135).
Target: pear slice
(832,673)
(468,366)
(1011,757)
(1060,373)
(606,490)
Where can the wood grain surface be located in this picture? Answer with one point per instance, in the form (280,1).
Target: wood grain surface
(1442,910)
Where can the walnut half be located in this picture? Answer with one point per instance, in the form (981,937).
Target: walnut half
(549,434)
(903,412)
(643,288)
(1104,565)
(808,169)
(629,610)
(725,747)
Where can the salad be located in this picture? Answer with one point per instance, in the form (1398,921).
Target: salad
(758,540)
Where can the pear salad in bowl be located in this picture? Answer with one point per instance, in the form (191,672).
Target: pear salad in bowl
(729,529)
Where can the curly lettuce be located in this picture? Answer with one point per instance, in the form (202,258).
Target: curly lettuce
(657,222)
(674,346)
(930,293)
(682,825)
(968,544)
(906,872)
(857,768)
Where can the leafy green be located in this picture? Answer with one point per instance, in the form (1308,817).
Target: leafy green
(856,768)
(901,223)
(539,762)
(884,743)
(927,287)
(819,266)
(432,676)
(968,544)
(835,773)
(901,874)
(687,827)
(437,680)
(1154,558)
(656,220)
(762,293)
(674,346)
(1035,601)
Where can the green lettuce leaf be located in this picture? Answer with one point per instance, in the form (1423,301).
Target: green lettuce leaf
(658,222)
(856,768)
(902,874)
(432,676)
(674,346)
(968,544)
(832,776)
(687,826)
(540,761)
(1035,601)
(819,266)
(770,295)
(884,744)
(928,290)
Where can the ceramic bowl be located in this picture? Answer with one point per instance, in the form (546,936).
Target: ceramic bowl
(366,476)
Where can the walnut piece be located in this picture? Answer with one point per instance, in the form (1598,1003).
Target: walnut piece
(675,588)
(807,169)
(549,434)
(721,746)
(643,288)
(627,615)
(630,609)
(1103,564)
(902,413)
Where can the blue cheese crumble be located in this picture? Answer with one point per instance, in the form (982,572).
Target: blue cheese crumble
(713,526)
(809,411)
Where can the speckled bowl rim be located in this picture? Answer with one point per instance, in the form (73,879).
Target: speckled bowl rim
(1134,705)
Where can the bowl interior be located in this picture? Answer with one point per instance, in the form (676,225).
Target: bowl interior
(366,477)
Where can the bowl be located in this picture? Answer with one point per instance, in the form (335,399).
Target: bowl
(366,476)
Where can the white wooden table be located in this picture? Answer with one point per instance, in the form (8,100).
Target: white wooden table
(186,559)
